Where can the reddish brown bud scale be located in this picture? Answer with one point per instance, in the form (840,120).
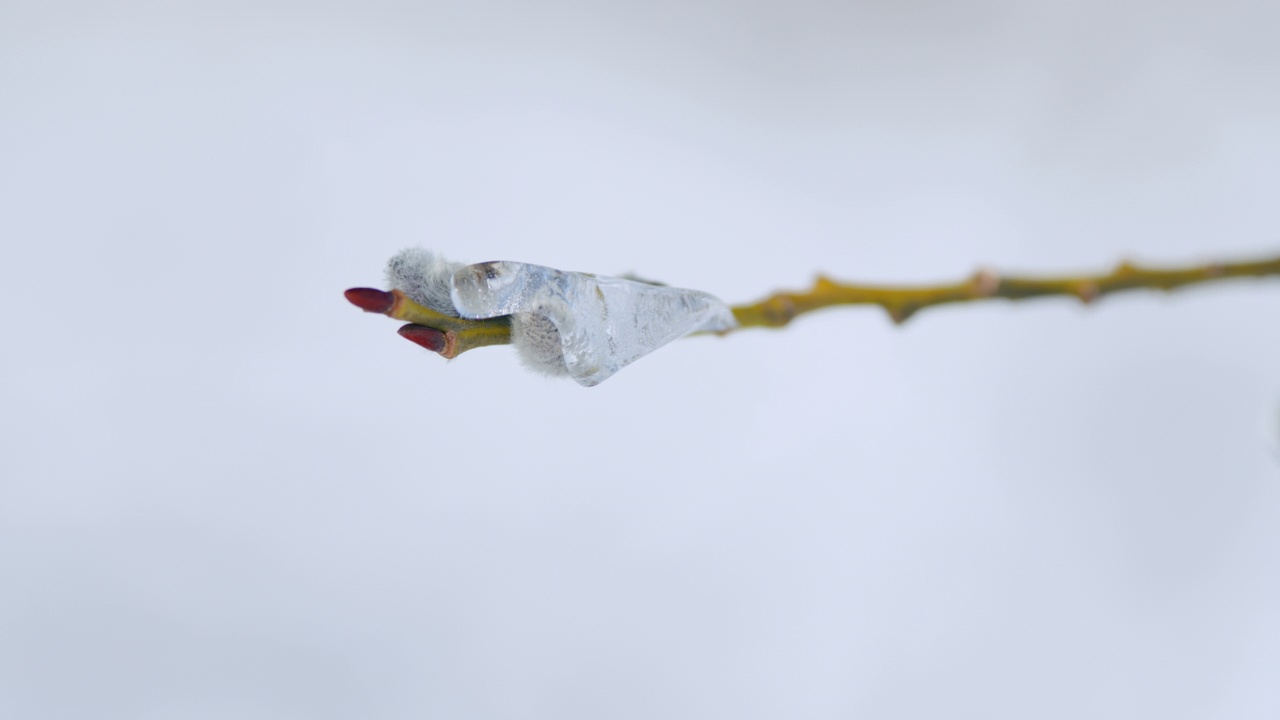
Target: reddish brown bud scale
(429,338)
(371,300)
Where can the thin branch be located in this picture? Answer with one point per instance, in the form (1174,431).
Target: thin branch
(451,336)
(901,302)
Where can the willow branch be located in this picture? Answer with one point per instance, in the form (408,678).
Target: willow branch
(452,336)
(902,302)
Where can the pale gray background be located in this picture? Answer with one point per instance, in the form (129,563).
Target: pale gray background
(225,493)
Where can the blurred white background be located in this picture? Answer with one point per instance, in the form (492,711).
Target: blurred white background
(226,493)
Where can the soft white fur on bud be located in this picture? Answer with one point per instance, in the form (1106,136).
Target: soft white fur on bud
(537,343)
(425,277)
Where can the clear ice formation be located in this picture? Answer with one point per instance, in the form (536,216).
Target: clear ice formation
(603,323)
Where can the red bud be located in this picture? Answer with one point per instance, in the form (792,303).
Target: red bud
(371,300)
(429,338)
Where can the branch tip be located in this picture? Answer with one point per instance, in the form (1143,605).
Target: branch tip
(429,338)
(371,300)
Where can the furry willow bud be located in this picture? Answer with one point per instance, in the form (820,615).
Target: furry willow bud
(586,327)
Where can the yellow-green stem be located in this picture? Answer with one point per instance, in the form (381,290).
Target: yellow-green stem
(904,301)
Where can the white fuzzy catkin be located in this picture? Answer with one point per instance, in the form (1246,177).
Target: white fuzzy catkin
(537,343)
(425,277)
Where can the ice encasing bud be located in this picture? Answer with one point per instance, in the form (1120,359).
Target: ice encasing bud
(585,326)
